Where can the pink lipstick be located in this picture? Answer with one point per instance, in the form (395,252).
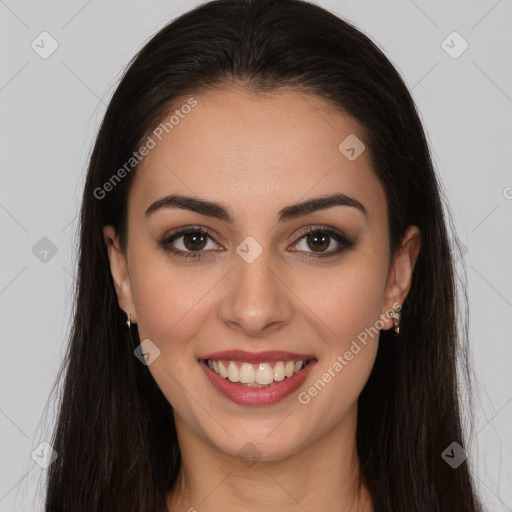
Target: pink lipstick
(251,394)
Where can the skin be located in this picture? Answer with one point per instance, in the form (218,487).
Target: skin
(257,154)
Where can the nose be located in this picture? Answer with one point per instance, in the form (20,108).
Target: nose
(256,300)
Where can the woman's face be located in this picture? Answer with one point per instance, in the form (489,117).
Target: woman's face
(255,282)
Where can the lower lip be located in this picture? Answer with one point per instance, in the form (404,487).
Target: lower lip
(243,395)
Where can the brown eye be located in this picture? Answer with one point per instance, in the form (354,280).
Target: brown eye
(194,241)
(318,241)
(191,245)
(315,242)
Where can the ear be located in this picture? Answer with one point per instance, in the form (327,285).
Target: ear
(119,271)
(400,273)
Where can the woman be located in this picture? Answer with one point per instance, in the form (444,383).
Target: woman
(266,306)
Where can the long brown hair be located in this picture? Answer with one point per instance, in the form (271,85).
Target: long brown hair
(115,437)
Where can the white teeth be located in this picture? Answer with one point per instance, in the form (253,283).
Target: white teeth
(279,374)
(233,374)
(264,374)
(223,370)
(256,375)
(246,374)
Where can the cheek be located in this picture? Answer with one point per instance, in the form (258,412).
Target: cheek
(350,349)
(168,302)
(349,300)
(169,313)
(349,304)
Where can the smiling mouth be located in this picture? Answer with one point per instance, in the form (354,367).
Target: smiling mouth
(259,375)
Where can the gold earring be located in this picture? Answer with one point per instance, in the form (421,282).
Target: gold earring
(128,323)
(396,316)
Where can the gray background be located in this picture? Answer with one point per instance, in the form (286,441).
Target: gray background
(51,109)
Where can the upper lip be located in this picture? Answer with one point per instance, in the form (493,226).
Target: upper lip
(257,357)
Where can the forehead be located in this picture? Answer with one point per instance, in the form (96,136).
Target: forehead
(257,151)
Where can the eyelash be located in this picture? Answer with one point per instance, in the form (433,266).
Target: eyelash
(343,240)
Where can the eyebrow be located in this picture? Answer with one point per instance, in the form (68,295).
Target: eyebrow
(222,212)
